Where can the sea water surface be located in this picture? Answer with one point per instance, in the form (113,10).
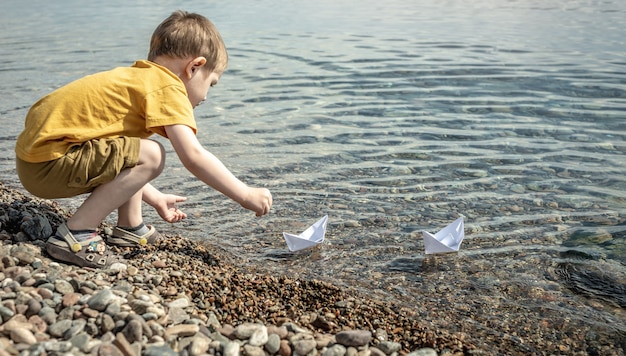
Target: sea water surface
(391,118)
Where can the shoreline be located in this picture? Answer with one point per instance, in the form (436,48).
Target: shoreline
(179,297)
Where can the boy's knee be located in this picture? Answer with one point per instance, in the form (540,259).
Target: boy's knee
(152,154)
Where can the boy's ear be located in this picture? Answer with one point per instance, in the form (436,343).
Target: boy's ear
(194,65)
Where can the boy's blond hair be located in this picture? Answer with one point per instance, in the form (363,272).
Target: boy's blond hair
(185,34)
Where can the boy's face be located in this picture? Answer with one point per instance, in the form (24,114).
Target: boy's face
(198,85)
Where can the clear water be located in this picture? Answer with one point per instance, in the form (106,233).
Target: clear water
(392,118)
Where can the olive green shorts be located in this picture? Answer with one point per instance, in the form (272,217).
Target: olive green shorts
(83,168)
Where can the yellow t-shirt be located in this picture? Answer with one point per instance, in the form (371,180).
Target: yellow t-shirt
(135,101)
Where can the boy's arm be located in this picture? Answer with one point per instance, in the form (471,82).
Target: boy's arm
(209,169)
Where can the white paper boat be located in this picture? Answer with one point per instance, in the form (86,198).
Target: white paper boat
(447,240)
(310,237)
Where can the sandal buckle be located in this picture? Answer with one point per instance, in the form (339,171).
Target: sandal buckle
(90,257)
(76,247)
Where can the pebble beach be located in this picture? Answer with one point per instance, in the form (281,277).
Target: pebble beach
(180,297)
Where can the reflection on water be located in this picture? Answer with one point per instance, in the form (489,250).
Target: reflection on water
(394,120)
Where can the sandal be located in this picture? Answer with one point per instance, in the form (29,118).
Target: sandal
(124,238)
(89,253)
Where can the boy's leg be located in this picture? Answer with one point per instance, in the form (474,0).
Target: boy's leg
(124,191)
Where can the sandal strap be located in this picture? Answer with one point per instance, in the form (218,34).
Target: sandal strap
(141,240)
(64,233)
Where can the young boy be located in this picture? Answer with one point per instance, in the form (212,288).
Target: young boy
(91,136)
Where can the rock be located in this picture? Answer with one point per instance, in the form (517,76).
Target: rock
(231,349)
(100,300)
(62,286)
(335,350)
(181,303)
(199,345)
(23,336)
(423,352)
(273,344)
(285,349)
(37,228)
(245,330)
(389,347)
(250,350)
(259,337)
(133,331)
(181,330)
(354,337)
(59,328)
(303,347)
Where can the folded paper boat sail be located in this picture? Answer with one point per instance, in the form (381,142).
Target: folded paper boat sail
(447,240)
(310,237)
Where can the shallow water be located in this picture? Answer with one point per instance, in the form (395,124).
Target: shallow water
(392,118)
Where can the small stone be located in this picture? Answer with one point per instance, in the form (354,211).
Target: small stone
(132,270)
(17,322)
(285,349)
(335,350)
(23,257)
(140,306)
(80,341)
(227,330)
(177,315)
(250,350)
(323,340)
(259,337)
(179,303)
(64,287)
(354,337)
(159,264)
(213,321)
(55,346)
(78,326)
(245,330)
(159,350)
(37,228)
(133,331)
(100,300)
(6,313)
(70,299)
(59,328)
(381,334)
(199,345)
(303,347)
(108,349)
(39,325)
(106,323)
(48,315)
(282,331)
(427,351)
(122,343)
(273,344)
(45,293)
(231,349)
(389,347)
(90,312)
(23,336)
(181,330)
(374,351)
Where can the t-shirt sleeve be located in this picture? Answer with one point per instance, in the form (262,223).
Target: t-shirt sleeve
(168,106)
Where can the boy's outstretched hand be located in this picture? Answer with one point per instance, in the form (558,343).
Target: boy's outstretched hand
(166,207)
(258,200)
